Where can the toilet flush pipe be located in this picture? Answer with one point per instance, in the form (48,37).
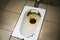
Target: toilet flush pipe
(36,3)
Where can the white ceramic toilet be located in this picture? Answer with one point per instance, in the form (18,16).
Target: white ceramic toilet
(29,23)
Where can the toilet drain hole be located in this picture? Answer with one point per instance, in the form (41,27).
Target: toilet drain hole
(32,21)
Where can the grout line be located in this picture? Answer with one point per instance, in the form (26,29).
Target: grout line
(9,11)
(45,15)
(5,29)
(23,6)
(15,12)
(10,37)
(12,11)
(51,21)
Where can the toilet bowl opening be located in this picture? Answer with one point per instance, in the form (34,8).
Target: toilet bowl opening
(32,21)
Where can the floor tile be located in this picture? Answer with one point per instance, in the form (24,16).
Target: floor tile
(41,5)
(30,3)
(3,3)
(15,5)
(49,31)
(53,14)
(12,38)
(4,35)
(8,20)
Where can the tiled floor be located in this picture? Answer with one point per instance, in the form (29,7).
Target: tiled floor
(53,14)
(4,35)
(15,5)
(8,20)
(49,31)
(11,13)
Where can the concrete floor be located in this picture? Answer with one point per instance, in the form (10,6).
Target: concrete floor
(11,10)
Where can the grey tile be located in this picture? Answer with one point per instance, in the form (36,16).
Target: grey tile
(49,31)
(8,20)
(53,14)
(15,5)
(4,35)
